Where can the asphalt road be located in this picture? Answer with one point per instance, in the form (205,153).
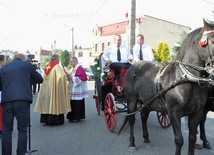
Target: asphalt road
(91,137)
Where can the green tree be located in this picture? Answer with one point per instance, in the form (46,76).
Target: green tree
(75,47)
(65,58)
(178,45)
(154,51)
(45,59)
(157,54)
(58,51)
(27,52)
(162,54)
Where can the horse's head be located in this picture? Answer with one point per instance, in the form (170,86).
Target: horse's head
(207,47)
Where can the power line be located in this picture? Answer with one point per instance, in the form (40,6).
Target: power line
(208,2)
(94,14)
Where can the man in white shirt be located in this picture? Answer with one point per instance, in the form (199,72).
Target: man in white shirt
(142,51)
(117,55)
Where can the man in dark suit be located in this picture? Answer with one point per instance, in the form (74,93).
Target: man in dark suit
(15,78)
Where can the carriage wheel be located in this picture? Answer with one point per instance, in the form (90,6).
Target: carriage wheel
(96,97)
(163,120)
(110,112)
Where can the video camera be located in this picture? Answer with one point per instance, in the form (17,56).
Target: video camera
(30,58)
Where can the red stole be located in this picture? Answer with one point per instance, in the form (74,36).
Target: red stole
(49,67)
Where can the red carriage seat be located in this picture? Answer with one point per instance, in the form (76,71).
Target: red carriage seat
(116,79)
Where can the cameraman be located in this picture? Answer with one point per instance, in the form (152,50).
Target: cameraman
(16,99)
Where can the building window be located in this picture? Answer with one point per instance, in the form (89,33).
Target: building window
(80,54)
(90,54)
(95,47)
(103,46)
(109,43)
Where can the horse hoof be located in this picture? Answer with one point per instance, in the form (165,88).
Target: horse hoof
(147,144)
(207,145)
(198,146)
(132,149)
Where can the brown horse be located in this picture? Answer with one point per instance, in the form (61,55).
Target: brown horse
(178,89)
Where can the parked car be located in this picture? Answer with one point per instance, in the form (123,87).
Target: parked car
(89,73)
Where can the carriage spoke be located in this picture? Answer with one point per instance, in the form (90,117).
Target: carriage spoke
(110,112)
(163,120)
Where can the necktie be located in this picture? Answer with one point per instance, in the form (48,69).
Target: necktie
(118,54)
(141,56)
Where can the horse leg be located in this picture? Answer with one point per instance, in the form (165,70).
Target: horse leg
(132,105)
(206,143)
(193,122)
(144,117)
(198,144)
(132,146)
(176,125)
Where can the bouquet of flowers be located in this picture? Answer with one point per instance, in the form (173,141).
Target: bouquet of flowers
(97,68)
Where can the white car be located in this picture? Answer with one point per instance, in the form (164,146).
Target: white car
(89,73)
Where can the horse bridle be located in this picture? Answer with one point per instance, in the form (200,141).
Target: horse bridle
(193,78)
(210,64)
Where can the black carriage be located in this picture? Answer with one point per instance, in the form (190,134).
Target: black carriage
(109,94)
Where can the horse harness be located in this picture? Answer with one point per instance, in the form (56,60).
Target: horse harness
(186,77)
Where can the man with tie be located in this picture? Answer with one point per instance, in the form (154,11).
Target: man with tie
(117,56)
(142,51)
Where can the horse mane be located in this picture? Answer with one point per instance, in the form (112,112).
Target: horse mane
(192,38)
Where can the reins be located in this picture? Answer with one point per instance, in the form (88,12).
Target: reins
(168,87)
(198,68)
(192,78)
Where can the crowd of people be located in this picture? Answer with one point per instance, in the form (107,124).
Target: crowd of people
(60,92)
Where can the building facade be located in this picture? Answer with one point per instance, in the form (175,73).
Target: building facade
(154,30)
(40,54)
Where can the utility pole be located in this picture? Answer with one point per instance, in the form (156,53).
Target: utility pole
(132,25)
(73,52)
(72,40)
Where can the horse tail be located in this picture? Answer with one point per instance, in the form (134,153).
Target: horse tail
(123,125)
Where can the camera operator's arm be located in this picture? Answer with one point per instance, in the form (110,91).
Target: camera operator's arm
(35,76)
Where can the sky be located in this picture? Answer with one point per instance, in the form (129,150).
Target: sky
(34,24)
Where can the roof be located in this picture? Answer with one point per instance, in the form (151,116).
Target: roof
(43,52)
(120,27)
(112,29)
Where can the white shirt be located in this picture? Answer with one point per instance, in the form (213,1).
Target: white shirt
(146,52)
(111,54)
(40,71)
